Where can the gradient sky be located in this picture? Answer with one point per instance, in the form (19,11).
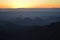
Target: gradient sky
(29,3)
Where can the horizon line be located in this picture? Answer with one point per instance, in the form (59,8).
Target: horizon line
(28,8)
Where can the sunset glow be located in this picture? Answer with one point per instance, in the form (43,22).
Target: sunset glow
(29,3)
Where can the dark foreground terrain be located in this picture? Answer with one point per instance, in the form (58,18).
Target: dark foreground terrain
(17,32)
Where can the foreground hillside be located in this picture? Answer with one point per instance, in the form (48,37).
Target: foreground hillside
(17,32)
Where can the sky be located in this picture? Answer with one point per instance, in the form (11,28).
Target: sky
(29,3)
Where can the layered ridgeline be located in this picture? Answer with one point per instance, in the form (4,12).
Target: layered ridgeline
(29,24)
(29,16)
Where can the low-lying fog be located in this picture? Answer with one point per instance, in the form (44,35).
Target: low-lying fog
(30,16)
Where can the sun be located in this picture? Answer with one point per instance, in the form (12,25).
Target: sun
(22,4)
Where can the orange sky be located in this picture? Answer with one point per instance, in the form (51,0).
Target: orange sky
(29,3)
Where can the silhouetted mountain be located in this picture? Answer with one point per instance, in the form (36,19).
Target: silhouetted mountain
(11,31)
